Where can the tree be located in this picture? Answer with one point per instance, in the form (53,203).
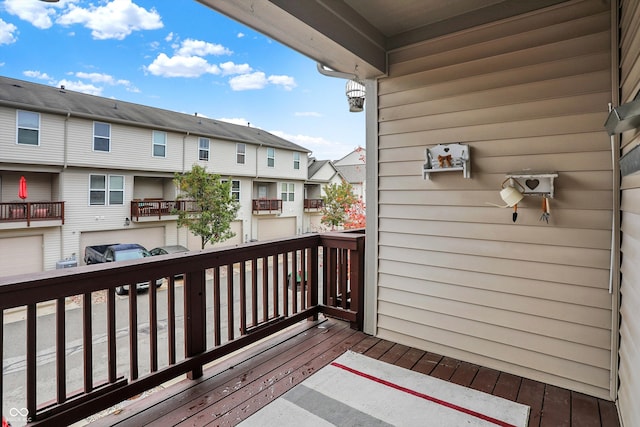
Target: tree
(356,215)
(215,207)
(336,201)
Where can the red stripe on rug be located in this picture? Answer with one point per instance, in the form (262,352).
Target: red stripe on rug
(424,396)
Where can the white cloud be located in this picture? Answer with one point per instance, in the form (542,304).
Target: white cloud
(240,35)
(192,47)
(113,20)
(181,66)
(287,82)
(37,75)
(259,80)
(307,114)
(229,68)
(80,87)
(169,37)
(321,148)
(38,13)
(106,79)
(8,33)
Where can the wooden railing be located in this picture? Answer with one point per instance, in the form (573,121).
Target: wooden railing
(31,211)
(313,204)
(148,208)
(267,205)
(76,348)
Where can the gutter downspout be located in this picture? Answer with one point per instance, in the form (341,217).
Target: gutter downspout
(65,164)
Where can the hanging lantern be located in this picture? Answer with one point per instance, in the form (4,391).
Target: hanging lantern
(355,92)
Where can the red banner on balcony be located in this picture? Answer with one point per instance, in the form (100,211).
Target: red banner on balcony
(22,189)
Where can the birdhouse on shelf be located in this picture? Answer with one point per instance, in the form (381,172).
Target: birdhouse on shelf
(447,158)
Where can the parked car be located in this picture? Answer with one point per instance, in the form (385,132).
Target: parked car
(171,249)
(118,252)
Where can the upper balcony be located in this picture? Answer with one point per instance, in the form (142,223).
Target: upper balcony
(143,210)
(267,206)
(313,205)
(98,349)
(15,215)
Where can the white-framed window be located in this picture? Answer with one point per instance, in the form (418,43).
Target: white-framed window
(101,136)
(235,188)
(203,149)
(241,151)
(288,192)
(106,189)
(296,160)
(28,128)
(271,157)
(159,144)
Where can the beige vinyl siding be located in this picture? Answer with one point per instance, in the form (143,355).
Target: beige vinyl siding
(456,275)
(629,352)
(131,147)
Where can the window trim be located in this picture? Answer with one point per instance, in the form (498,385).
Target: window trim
(296,160)
(204,150)
(18,127)
(108,138)
(288,191)
(233,191)
(271,158)
(154,144)
(107,190)
(243,153)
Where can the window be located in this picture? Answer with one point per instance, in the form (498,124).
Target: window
(159,144)
(271,157)
(235,189)
(98,189)
(296,160)
(240,153)
(203,149)
(288,192)
(101,136)
(28,128)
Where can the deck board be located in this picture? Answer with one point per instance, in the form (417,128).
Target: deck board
(236,387)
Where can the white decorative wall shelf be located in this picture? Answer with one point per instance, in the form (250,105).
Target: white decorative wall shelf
(447,158)
(535,183)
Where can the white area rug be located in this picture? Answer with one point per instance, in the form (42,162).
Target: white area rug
(356,390)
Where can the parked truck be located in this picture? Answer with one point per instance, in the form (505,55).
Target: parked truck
(118,252)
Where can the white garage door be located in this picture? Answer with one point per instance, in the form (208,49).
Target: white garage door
(236,227)
(21,255)
(147,237)
(273,228)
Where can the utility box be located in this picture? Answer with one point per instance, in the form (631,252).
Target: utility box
(66,263)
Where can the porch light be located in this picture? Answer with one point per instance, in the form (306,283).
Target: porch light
(355,92)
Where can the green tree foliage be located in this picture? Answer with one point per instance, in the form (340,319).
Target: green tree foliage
(336,202)
(212,209)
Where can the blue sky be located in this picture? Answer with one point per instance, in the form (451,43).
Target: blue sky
(180,56)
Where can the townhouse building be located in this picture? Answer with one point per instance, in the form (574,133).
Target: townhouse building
(321,173)
(100,170)
(353,167)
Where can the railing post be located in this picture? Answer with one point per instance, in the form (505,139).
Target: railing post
(313,277)
(356,273)
(195,315)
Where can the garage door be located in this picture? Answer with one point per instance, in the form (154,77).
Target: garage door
(147,237)
(236,227)
(273,228)
(21,255)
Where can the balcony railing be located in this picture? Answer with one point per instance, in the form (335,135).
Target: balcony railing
(313,204)
(31,211)
(270,206)
(157,208)
(79,361)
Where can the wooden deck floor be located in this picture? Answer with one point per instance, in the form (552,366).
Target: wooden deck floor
(238,386)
